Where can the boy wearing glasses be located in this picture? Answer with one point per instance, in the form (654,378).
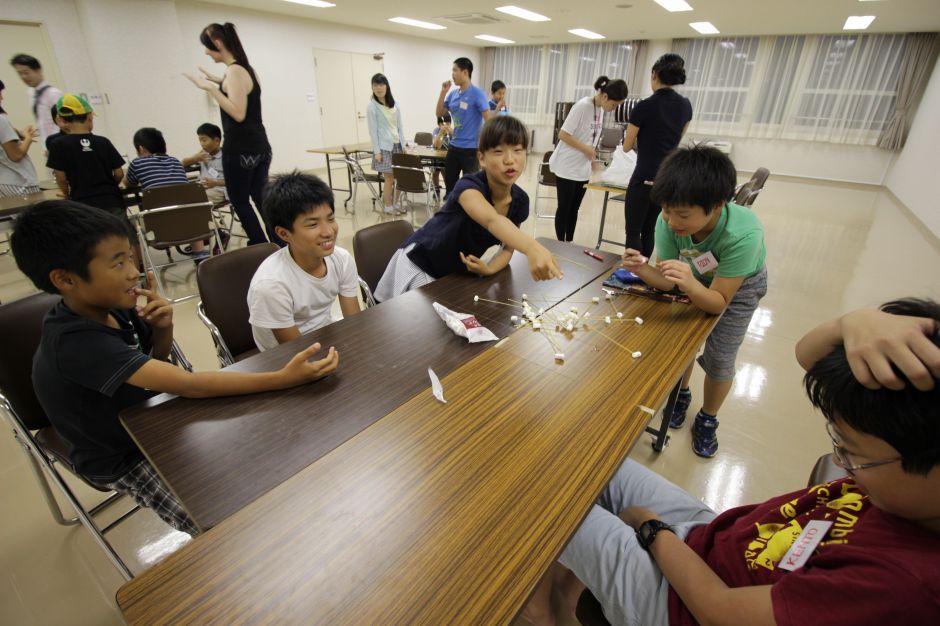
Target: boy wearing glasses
(864,549)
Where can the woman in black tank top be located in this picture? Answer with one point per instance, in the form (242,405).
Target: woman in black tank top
(246,153)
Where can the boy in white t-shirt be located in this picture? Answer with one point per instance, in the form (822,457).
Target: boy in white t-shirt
(294,288)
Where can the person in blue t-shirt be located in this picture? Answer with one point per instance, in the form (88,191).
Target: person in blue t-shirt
(498,100)
(485,210)
(469,108)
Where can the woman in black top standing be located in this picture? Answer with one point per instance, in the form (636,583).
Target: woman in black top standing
(656,126)
(246,153)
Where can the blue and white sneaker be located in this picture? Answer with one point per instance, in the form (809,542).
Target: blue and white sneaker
(705,435)
(678,411)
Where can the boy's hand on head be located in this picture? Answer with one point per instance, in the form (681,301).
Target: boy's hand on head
(301,370)
(874,340)
(475,265)
(633,260)
(157,312)
(542,264)
(679,273)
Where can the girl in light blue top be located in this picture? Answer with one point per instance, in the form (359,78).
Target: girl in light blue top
(387,135)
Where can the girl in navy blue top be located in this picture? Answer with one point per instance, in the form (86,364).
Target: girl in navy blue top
(485,209)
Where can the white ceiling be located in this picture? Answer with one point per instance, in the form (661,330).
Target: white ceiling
(642,19)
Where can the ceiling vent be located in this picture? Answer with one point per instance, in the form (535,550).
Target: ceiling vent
(471,19)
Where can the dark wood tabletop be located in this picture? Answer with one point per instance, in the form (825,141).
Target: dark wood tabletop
(10,207)
(440,513)
(219,454)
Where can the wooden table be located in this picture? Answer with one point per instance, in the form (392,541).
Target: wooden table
(438,513)
(12,206)
(620,197)
(429,156)
(331,151)
(219,454)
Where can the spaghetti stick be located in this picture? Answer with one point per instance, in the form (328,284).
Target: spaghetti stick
(558,257)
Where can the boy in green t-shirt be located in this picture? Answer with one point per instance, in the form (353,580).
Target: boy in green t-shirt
(713,251)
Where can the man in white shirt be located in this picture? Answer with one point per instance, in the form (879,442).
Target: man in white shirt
(294,289)
(42,96)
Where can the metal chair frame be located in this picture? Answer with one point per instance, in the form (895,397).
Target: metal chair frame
(358,175)
(425,188)
(545,178)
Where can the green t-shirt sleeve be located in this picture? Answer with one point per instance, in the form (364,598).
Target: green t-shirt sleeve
(666,248)
(741,259)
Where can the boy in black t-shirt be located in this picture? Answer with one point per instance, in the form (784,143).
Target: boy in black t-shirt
(101,353)
(87,167)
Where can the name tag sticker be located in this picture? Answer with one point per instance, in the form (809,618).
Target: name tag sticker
(805,545)
(463,106)
(705,262)
(213,173)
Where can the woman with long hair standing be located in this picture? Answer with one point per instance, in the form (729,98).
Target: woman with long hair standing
(246,153)
(656,126)
(573,158)
(387,135)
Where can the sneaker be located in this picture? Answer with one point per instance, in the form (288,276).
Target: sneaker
(705,435)
(678,411)
(391,210)
(200,256)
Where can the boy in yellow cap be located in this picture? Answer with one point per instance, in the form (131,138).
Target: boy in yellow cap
(87,167)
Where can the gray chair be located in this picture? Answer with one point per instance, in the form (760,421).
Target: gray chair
(411,178)
(358,176)
(223,283)
(21,328)
(746,194)
(373,248)
(545,179)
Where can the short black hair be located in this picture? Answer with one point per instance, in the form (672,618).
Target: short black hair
(60,235)
(151,139)
(26,59)
(54,112)
(83,117)
(615,89)
(209,130)
(670,69)
(696,175)
(288,196)
(908,419)
(503,130)
(497,85)
(464,63)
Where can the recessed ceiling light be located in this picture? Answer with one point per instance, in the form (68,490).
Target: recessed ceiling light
(706,28)
(587,34)
(858,22)
(523,13)
(494,39)
(320,4)
(407,21)
(674,5)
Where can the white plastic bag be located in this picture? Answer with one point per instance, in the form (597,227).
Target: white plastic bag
(464,325)
(621,168)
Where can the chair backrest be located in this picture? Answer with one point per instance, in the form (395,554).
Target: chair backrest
(21,329)
(747,193)
(410,176)
(374,246)
(185,216)
(611,138)
(424,139)
(624,109)
(546,176)
(223,282)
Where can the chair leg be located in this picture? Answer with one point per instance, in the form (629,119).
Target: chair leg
(47,494)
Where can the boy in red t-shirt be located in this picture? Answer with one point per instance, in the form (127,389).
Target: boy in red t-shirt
(864,549)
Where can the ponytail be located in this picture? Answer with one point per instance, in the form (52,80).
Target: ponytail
(227,34)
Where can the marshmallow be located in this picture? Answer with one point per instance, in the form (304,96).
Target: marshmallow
(587,314)
(608,297)
(595,299)
(619,315)
(536,325)
(574,310)
(476,298)
(514,318)
(525,297)
(569,327)
(638,320)
(607,319)
(637,355)
(559,356)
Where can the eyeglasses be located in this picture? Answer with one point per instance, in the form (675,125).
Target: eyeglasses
(844,459)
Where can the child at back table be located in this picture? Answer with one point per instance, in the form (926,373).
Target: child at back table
(210,162)
(713,251)
(101,352)
(484,209)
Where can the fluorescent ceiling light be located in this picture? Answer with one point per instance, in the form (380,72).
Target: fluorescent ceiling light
(407,21)
(587,34)
(706,28)
(494,39)
(858,22)
(674,5)
(523,13)
(320,4)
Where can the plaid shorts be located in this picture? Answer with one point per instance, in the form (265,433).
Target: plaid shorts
(721,347)
(145,486)
(386,163)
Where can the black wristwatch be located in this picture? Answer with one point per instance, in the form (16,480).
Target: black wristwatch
(648,530)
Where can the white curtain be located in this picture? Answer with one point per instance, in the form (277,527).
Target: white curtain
(519,67)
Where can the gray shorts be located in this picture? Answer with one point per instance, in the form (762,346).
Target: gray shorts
(721,347)
(605,555)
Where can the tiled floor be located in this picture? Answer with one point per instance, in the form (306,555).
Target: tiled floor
(830,248)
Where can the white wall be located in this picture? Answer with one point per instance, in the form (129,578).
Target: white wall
(913,176)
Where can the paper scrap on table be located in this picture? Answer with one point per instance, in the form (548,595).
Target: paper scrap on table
(436,387)
(464,325)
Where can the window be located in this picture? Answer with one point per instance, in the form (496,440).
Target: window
(611,59)
(718,77)
(519,67)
